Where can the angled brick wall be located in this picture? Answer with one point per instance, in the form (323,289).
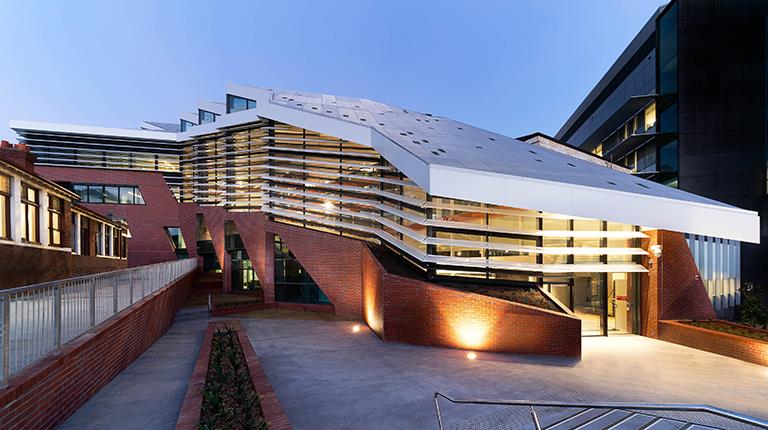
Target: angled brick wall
(672,289)
(418,312)
(45,394)
(730,345)
(149,243)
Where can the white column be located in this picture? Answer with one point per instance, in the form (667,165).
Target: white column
(76,235)
(17,217)
(111,239)
(43,218)
(101,238)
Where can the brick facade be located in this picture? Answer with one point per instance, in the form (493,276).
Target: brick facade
(149,243)
(730,345)
(401,309)
(672,289)
(45,394)
(27,265)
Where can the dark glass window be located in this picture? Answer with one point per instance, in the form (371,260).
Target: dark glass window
(177,241)
(186,125)
(95,194)
(110,194)
(668,157)
(114,194)
(205,117)
(85,236)
(5,207)
(292,282)
(667,35)
(99,230)
(82,191)
(237,104)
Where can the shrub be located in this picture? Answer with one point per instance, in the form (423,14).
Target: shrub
(229,399)
(753,310)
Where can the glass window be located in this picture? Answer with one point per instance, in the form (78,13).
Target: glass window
(292,282)
(205,117)
(110,194)
(127,195)
(55,220)
(668,157)
(5,207)
(30,206)
(650,116)
(137,197)
(99,233)
(95,194)
(82,191)
(237,104)
(177,241)
(186,125)
(85,236)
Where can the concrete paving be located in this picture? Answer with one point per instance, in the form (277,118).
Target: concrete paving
(148,393)
(328,377)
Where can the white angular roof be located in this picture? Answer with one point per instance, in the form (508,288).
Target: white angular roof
(452,159)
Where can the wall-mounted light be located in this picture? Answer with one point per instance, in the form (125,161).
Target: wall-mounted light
(656,250)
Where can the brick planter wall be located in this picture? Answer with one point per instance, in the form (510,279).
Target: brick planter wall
(407,310)
(45,394)
(730,345)
(193,400)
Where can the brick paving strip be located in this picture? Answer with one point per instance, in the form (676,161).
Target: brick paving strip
(189,416)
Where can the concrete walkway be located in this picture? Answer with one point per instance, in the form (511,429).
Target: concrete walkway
(328,377)
(148,393)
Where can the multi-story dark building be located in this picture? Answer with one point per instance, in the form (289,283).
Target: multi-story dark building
(685,105)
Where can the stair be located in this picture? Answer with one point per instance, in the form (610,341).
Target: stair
(614,419)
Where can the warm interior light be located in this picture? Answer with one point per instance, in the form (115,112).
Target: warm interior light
(356,328)
(471,355)
(328,206)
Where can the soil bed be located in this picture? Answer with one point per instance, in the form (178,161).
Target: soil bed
(229,398)
(738,330)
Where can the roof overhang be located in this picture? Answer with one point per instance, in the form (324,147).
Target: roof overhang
(504,189)
(38,126)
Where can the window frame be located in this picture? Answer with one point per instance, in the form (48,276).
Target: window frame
(55,213)
(28,205)
(5,200)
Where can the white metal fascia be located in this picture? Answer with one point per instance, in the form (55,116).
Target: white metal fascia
(91,130)
(616,206)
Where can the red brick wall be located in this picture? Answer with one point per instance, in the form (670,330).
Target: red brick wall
(26,265)
(672,288)
(742,348)
(149,243)
(45,394)
(423,313)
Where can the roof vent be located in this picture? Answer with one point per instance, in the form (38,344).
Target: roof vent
(441,150)
(479,147)
(435,152)
(409,132)
(460,128)
(571,164)
(381,124)
(612,183)
(425,140)
(532,152)
(345,115)
(416,142)
(539,160)
(643,185)
(362,119)
(328,111)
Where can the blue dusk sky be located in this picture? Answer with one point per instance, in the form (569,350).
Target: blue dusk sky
(513,67)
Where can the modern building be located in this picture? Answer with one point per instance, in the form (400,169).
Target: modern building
(153,147)
(685,105)
(432,230)
(45,234)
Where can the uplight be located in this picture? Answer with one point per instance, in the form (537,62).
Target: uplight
(471,355)
(356,328)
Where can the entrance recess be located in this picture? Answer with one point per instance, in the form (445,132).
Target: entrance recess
(605,303)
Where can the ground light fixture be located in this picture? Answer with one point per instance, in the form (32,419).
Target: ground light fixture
(472,355)
(356,328)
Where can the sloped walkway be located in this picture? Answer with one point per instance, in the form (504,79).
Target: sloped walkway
(148,393)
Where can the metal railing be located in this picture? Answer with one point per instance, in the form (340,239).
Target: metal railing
(645,407)
(36,320)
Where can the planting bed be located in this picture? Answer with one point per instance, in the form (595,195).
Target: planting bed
(228,388)
(731,328)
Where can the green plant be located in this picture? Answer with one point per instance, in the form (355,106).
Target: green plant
(229,399)
(753,309)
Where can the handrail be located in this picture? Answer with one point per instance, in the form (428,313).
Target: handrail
(674,407)
(36,320)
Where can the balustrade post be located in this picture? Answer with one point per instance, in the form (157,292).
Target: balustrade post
(92,303)
(5,332)
(57,315)
(114,294)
